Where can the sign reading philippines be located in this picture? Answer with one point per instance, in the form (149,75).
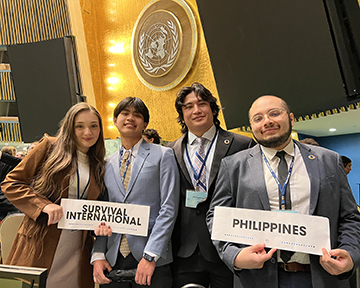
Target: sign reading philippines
(87,215)
(282,230)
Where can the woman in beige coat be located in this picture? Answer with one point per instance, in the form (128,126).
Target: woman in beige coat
(70,165)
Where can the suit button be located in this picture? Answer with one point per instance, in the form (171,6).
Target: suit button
(198,211)
(272,260)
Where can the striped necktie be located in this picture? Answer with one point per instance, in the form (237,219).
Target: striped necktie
(198,163)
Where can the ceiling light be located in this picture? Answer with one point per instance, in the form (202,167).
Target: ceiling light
(332,129)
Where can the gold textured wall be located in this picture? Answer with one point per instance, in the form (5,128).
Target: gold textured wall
(108,29)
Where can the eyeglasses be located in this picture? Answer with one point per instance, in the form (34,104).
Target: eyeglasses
(272,114)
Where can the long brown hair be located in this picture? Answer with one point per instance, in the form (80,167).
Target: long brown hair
(60,165)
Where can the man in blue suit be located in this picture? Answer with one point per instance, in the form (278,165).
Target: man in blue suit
(154,181)
(317,186)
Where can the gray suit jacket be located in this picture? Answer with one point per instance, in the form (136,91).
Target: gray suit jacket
(191,230)
(154,182)
(241,184)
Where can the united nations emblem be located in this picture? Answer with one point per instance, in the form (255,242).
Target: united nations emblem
(159,48)
(163,46)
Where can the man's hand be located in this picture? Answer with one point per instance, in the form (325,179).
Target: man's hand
(98,271)
(54,211)
(253,257)
(340,263)
(145,270)
(103,230)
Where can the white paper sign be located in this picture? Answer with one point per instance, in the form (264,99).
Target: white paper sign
(122,218)
(282,230)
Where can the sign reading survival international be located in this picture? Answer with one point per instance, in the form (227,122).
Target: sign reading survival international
(87,215)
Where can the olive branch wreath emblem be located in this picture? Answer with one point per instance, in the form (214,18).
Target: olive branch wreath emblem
(172,56)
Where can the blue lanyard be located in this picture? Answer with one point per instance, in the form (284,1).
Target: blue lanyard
(78,183)
(127,162)
(197,176)
(281,188)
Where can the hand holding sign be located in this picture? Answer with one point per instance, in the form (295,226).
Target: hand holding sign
(336,261)
(253,257)
(54,211)
(103,230)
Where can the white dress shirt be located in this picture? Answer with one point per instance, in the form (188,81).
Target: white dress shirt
(299,186)
(192,147)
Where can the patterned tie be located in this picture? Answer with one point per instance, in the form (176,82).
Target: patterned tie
(124,245)
(282,174)
(198,163)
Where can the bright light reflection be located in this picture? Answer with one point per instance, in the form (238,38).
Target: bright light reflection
(112,65)
(111,88)
(332,129)
(117,48)
(113,80)
(111,127)
(111,104)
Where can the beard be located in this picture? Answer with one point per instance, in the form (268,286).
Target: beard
(275,141)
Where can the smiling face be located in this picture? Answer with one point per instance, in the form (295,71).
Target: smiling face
(86,129)
(198,115)
(274,131)
(130,123)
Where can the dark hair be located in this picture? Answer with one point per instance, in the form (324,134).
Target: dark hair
(134,102)
(309,141)
(152,134)
(345,160)
(204,94)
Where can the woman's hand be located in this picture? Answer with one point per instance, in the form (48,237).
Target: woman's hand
(103,230)
(54,211)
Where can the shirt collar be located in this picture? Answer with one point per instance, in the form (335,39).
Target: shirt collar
(135,148)
(270,152)
(208,135)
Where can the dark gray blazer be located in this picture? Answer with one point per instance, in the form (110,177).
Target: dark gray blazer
(190,230)
(241,184)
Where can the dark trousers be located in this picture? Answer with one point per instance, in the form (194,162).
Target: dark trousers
(294,279)
(161,278)
(197,270)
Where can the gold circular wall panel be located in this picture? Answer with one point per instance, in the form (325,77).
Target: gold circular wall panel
(164,43)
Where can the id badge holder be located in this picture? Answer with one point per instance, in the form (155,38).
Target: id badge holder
(193,198)
(286,211)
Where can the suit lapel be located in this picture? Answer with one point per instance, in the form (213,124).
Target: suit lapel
(115,164)
(255,163)
(222,146)
(143,153)
(179,150)
(312,166)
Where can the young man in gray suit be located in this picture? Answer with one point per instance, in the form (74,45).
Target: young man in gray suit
(145,174)
(317,186)
(198,153)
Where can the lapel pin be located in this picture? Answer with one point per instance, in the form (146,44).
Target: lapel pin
(226,141)
(311,157)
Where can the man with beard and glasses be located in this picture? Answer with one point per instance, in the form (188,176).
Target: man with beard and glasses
(317,186)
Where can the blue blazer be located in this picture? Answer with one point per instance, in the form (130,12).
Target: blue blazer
(330,196)
(154,182)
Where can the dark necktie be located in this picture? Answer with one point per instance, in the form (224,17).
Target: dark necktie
(282,174)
